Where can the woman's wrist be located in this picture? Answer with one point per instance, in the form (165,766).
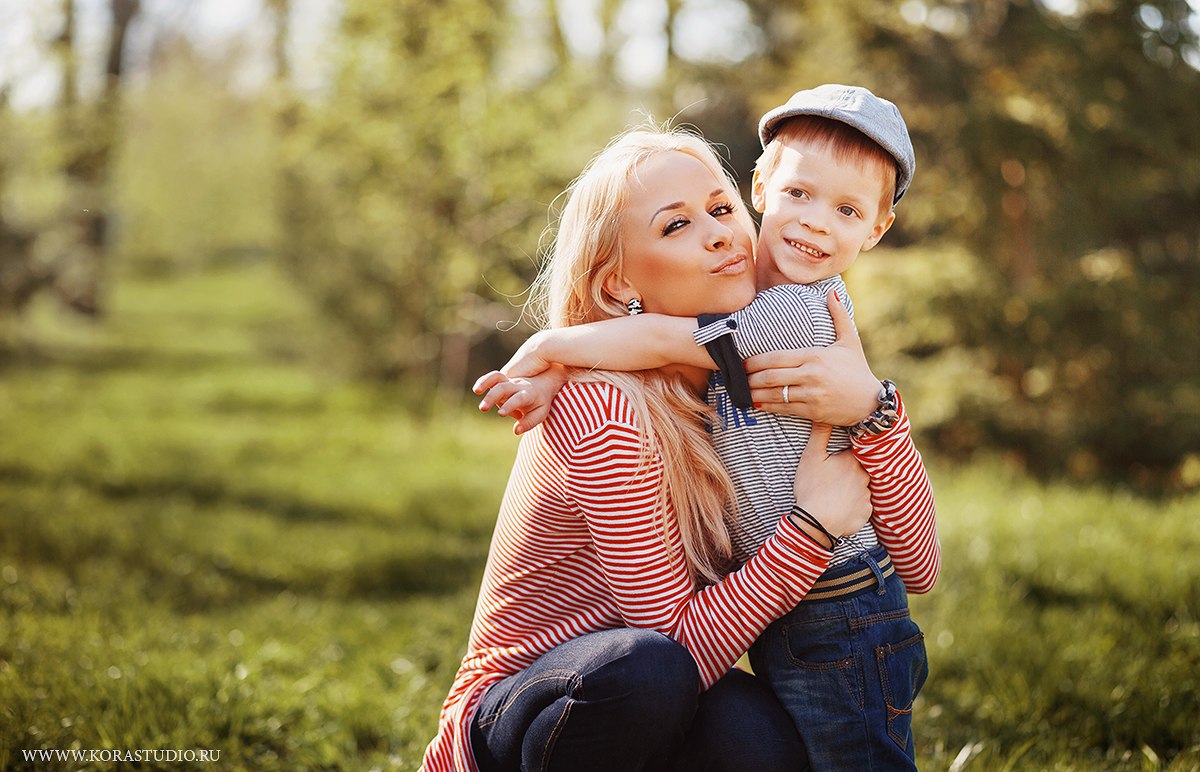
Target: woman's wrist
(884,415)
(811,528)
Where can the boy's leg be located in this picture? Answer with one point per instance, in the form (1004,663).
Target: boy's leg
(847,670)
(617,699)
(740,725)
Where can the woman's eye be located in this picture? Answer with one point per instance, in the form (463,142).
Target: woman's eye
(722,210)
(673,226)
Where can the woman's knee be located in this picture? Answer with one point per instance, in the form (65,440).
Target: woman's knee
(652,673)
(741,725)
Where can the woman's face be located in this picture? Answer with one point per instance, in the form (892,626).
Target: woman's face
(686,252)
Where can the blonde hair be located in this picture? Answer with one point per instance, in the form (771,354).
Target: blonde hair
(586,251)
(847,144)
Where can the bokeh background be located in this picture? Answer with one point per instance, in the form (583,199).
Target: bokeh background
(252,254)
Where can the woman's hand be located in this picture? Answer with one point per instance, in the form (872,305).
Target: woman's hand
(832,488)
(829,384)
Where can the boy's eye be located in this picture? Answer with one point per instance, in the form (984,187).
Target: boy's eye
(849,211)
(795,192)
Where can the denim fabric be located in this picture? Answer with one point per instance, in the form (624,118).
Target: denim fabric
(847,670)
(629,700)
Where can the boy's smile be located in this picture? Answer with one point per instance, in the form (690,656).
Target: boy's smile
(819,212)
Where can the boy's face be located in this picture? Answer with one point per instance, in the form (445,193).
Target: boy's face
(818,212)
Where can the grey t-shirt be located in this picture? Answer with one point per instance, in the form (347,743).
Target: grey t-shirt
(761,449)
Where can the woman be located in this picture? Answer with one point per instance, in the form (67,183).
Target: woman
(606,627)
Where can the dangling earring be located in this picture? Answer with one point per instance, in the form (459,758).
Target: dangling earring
(635,306)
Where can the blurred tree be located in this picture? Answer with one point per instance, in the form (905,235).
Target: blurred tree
(65,250)
(90,131)
(1061,149)
(22,275)
(195,179)
(417,190)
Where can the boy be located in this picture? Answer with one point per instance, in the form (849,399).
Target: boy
(848,661)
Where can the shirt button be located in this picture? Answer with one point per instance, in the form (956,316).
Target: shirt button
(731,324)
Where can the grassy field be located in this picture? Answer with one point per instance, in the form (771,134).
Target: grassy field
(205,543)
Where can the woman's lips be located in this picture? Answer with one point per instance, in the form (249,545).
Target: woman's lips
(731,267)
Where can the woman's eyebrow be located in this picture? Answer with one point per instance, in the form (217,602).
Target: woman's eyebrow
(661,209)
(679,204)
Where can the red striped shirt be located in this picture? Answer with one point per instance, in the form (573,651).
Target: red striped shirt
(584,542)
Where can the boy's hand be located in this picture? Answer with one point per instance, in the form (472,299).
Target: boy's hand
(527,400)
(829,384)
(831,487)
(528,361)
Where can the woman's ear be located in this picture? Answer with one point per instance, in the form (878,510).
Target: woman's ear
(619,287)
(758,192)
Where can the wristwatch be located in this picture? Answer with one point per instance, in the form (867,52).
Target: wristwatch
(884,416)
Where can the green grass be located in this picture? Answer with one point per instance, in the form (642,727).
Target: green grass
(207,541)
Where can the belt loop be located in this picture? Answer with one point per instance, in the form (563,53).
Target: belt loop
(867,558)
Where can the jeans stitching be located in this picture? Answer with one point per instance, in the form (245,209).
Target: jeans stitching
(508,703)
(893,713)
(873,619)
(553,739)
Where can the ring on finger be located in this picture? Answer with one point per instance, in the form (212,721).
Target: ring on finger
(785,395)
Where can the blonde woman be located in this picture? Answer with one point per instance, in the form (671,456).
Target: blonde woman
(607,626)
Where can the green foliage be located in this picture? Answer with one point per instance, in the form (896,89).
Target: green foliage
(195,179)
(1062,140)
(422,183)
(207,546)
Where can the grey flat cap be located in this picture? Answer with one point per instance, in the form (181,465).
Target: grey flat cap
(878,118)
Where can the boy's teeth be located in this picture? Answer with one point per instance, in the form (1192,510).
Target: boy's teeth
(809,250)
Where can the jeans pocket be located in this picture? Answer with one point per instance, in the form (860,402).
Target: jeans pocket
(903,668)
(820,653)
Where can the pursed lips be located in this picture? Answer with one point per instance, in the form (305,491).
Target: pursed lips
(733,265)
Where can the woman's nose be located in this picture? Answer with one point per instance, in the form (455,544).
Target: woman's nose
(719,235)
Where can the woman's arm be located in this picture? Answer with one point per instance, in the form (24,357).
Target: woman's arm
(835,384)
(905,517)
(618,495)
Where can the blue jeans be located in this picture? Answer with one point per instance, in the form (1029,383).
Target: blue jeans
(847,670)
(627,700)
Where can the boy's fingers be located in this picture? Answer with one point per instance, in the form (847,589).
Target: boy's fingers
(818,441)
(519,402)
(843,325)
(497,395)
(487,381)
(530,420)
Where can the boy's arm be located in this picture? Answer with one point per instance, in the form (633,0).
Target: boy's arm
(527,400)
(525,387)
(626,343)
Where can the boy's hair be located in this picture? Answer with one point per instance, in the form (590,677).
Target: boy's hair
(847,143)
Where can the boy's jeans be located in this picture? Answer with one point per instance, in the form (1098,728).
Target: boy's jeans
(847,670)
(626,700)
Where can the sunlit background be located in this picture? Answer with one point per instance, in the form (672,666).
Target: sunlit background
(252,253)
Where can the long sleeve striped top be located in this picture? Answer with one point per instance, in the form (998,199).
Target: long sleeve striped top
(760,449)
(585,542)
